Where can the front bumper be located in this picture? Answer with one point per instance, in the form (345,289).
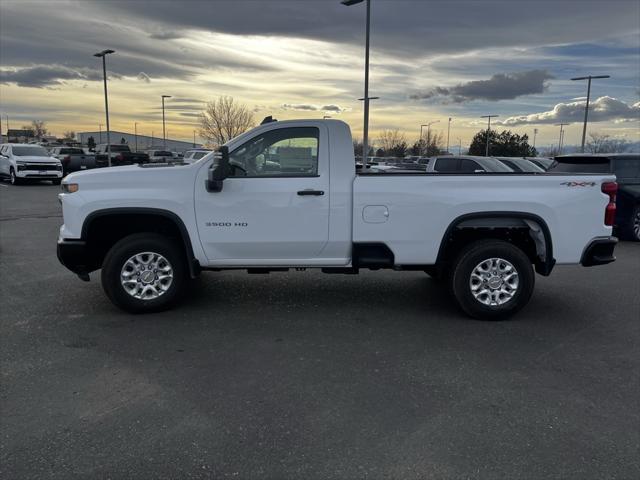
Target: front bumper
(599,252)
(76,256)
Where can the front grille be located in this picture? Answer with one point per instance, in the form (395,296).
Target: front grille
(38,166)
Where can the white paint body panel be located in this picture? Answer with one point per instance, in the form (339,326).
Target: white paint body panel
(408,213)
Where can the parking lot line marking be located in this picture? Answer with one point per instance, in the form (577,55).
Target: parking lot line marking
(3,185)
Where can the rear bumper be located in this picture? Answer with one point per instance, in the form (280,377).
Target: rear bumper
(75,255)
(599,252)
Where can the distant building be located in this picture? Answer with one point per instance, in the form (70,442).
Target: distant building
(20,136)
(144,142)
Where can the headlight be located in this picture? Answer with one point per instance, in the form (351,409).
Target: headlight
(70,187)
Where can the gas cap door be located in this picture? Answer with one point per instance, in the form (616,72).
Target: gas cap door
(375,214)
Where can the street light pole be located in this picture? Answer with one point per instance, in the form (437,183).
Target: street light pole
(100,129)
(535,134)
(489,117)
(194,139)
(164,135)
(365,133)
(103,54)
(428,125)
(135,130)
(448,130)
(586,107)
(459,146)
(560,140)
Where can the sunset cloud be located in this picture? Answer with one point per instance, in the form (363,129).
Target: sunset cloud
(601,110)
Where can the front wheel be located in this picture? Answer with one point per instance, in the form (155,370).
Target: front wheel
(144,272)
(492,279)
(13,178)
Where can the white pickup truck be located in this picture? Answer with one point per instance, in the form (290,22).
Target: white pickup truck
(287,195)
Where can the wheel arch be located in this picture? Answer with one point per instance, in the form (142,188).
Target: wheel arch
(148,214)
(499,222)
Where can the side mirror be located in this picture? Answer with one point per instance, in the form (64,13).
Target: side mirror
(218,171)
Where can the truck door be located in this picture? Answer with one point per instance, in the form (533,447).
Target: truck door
(274,208)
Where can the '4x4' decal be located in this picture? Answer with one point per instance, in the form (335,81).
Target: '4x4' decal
(579,184)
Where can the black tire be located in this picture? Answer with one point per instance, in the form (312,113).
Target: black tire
(135,244)
(433,272)
(13,178)
(472,256)
(631,230)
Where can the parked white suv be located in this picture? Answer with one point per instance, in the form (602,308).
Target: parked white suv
(21,162)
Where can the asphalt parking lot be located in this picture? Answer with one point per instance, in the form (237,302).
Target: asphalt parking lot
(305,375)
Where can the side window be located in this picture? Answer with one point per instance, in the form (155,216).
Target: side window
(447,165)
(627,167)
(290,152)
(469,166)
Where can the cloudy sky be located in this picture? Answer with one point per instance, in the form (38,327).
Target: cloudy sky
(430,60)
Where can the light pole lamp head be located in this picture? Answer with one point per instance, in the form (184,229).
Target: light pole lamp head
(103,53)
(166,96)
(591,77)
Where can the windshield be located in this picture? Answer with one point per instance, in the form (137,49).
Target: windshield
(161,153)
(34,151)
(119,148)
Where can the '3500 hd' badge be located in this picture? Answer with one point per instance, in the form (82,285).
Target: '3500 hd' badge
(226,224)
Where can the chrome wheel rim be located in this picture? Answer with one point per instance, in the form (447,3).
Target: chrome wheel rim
(494,282)
(636,225)
(13,177)
(146,275)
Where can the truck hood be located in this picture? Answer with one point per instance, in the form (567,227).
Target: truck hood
(37,159)
(131,175)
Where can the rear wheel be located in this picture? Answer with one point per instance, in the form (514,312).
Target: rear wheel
(144,272)
(492,279)
(633,227)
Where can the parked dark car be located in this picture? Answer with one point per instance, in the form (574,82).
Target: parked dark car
(73,159)
(521,165)
(626,167)
(543,162)
(120,155)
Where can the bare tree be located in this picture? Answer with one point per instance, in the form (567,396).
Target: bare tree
(392,142)
(70,134)
(224,119)
(602,143)
(39,128)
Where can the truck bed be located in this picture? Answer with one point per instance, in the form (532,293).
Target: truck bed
(405,209)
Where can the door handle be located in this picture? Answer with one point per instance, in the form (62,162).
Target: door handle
(310,192)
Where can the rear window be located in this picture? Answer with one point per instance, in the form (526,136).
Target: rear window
(119,148)
(447,165)
(627,167)
(71,151)
(581,165)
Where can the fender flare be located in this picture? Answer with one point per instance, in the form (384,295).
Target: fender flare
(192,262)
(543,267)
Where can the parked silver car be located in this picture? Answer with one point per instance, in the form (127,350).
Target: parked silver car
(466,164)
